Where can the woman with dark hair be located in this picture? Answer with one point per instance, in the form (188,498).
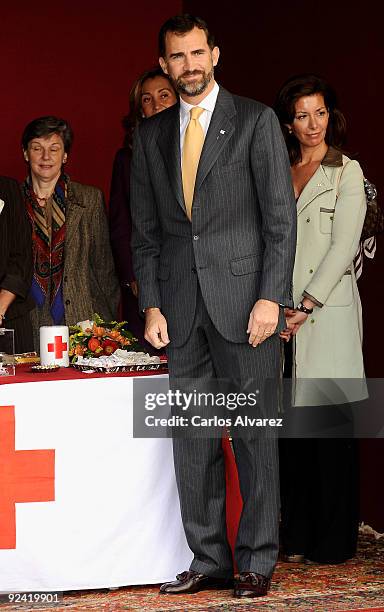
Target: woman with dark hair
(319,476)
(151,93)
(15,265)
(73,275)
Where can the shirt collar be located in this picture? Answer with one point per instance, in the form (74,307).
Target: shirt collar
(208,103)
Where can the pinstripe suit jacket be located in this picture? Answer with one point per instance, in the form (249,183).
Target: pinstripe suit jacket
(241,242)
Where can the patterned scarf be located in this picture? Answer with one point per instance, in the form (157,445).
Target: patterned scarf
(48,256)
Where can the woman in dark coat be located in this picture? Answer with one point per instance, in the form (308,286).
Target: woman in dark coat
(151,93)
(15,265)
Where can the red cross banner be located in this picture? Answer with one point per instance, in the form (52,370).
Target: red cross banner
(83,504)
(54,345)
(25,476)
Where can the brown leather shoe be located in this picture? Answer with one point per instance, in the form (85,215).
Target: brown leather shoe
(250,584)
(192,582)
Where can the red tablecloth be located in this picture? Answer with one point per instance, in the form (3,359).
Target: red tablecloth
(24,374)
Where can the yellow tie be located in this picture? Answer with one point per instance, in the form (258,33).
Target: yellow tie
(193,144)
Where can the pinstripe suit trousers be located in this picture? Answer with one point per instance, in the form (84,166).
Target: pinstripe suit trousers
(199,461)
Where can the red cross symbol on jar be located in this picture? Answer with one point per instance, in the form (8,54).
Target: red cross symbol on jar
(58,346)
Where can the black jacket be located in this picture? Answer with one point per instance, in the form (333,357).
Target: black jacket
(15,248)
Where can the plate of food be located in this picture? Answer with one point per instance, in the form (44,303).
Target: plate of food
(121,361)
(23,358)
(39,369)
(123,368)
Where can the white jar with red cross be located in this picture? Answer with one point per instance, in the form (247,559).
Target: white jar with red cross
(54,345)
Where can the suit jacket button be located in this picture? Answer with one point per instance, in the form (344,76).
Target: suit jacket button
(308,220)
(67,302)
(196,237)
(311,271)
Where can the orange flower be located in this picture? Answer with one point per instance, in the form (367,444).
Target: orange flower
(79,350)
(114,334)
(93,344)
(98,331)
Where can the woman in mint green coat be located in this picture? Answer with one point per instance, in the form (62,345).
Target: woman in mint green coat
(324,331)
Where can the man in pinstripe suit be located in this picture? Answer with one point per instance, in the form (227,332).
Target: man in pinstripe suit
(213,283)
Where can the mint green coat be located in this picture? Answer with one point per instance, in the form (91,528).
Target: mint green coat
(328,346)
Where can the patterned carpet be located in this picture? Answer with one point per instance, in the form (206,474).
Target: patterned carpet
(355,585)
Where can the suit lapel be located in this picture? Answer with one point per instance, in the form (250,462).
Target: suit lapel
(219,133)
(169,143)
(74,211)
(318,184)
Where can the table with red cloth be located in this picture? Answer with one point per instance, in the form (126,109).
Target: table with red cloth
(83,503)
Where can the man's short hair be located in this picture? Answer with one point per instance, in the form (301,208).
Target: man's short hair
(181,24)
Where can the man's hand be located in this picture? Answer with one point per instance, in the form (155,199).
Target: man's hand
(156,328)
(262,321)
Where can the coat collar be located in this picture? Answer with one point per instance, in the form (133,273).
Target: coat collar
(75,195)
(169,143)
(333,158)
(320,182)
(75,207)
(219,133)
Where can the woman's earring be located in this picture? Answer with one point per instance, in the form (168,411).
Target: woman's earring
(290,131)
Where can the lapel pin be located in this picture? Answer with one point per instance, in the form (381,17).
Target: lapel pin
(222,131)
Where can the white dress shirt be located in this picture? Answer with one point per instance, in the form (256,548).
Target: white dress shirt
(208,104)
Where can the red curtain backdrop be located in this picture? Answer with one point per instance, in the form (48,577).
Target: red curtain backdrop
(76,60)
